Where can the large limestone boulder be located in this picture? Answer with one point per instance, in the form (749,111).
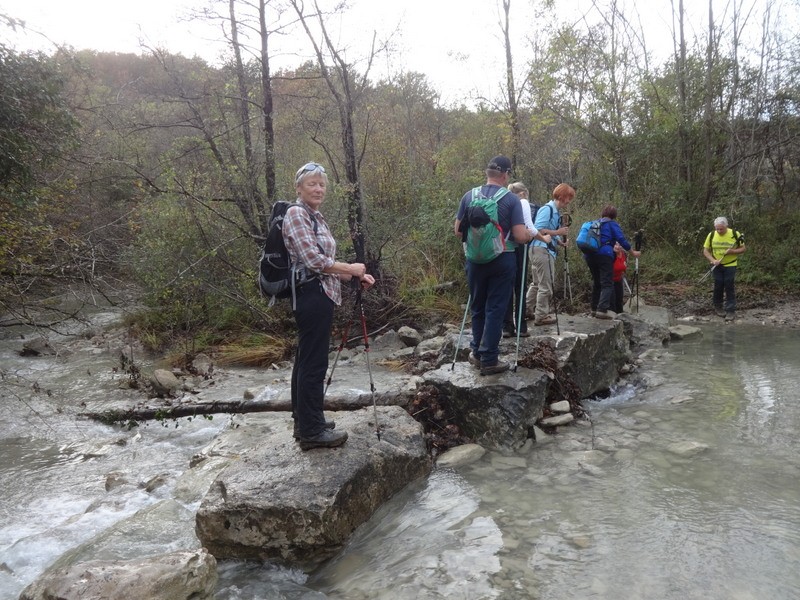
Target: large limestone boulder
(279,503)
(591,353)
(175,576)
(497,411)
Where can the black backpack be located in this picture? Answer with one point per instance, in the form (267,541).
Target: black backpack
(275,271)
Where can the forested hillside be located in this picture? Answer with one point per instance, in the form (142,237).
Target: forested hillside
(160,170)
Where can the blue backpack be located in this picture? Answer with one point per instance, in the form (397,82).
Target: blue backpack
(588,238)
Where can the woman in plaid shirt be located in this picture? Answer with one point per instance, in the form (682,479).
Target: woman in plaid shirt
(312,247)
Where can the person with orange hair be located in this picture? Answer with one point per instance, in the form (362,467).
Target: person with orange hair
(543,255)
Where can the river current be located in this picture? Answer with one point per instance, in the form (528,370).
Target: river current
(686,488)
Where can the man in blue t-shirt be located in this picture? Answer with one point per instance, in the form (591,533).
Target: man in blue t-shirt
(491,283)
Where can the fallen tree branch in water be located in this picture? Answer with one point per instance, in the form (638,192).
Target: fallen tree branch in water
(195,409)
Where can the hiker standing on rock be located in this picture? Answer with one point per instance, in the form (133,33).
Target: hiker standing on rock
(518,296)
(722,249)
(311,246)
(543,254)
(601,263)
(490,223)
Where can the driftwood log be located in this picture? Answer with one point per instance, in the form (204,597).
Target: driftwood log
(192,409)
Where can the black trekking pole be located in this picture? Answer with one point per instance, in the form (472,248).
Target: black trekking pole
(520,302)
(637,245)
(565,221)
(461,333)
(360,303)
(553,296)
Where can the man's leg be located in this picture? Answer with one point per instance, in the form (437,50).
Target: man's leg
(477,288)
(499,281)
(729,276)
(719,286)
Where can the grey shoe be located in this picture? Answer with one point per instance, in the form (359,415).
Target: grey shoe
(730,316)
(605,314)
(498,367)
(719,311)
(474,360)
(548,320)
(327,439)
(328,425)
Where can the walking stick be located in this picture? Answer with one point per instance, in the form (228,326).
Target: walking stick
(463,322)
(553,298)
(704,277)
(637,245)
(369,368)
(566,220)
(520,304)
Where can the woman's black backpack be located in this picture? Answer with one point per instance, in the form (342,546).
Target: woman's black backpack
(275,272)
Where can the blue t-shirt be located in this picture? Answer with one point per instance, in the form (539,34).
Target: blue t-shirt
(509,209)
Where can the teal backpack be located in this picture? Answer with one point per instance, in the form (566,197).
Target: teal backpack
(485,239)
(588,238)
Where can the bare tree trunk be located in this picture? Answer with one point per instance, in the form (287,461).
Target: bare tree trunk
(267,109)
(708,116)
(683,120)
(243,106)
(513,108)
(345,90)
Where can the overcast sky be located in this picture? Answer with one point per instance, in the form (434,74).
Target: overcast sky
(456,43)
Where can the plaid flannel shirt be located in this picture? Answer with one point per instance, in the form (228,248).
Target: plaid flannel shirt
(316,253)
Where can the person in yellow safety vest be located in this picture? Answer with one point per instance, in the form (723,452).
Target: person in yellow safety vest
(722,249)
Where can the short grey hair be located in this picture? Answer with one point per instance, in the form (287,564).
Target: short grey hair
(309,169)
(721,221)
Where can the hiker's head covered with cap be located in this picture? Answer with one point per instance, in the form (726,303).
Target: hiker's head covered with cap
(721,249)
(311,246)
(491,224)
(499,165)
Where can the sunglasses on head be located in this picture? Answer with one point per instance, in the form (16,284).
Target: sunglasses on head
(308,168)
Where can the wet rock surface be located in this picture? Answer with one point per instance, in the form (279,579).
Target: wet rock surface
(278,502)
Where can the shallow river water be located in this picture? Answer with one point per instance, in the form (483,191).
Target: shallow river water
(689,488)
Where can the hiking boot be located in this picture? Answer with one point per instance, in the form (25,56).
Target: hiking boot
(605,314)
(730,316)
(593,313)
(296,433)
(524,333)
(499,366)
(508,332)
(719,311)
(327,439)
(474,360)
(548,320)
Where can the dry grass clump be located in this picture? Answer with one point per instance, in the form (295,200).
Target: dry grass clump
(258,350)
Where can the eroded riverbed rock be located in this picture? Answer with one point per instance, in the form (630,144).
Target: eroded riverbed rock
(277,502)
(174,576)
